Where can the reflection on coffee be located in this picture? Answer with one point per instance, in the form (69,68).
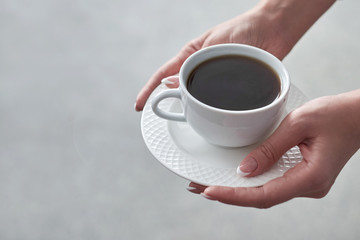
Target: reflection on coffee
(234,82)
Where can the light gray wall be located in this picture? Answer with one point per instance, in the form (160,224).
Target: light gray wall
(73,164)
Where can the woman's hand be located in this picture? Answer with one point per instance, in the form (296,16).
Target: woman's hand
(273,25)
(251,28)
(327,131)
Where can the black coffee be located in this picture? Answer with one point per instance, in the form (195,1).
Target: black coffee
(234,83)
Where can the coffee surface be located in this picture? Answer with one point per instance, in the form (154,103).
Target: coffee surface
(234,83)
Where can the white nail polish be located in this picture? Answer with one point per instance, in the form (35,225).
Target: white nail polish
(241,173)
(135,107)
(207,197)
(167,81)
(248,166)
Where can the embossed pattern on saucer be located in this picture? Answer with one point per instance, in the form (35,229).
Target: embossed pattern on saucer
(176,146)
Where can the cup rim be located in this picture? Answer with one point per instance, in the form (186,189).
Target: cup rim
(285,86)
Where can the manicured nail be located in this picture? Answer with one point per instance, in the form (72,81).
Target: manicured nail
(194,190)
(207,197)
(191,189)
(167,81)
(136,109)
(247,166)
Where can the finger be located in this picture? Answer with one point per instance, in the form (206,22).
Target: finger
(288,135)
(196,188)
(170,68)
(171,82)
(292,184)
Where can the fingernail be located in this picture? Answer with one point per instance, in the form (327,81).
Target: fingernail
(135,107)
(191,189)
(247,166)
(207,197)
(194,190)
(167,81)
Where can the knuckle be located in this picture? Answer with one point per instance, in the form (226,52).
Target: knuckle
(321,185)
(269,151)
(265,201)
(321,194)
(297,121)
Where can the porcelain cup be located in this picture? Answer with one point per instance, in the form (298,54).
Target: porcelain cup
(221,127)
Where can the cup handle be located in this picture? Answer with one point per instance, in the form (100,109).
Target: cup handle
(170,93)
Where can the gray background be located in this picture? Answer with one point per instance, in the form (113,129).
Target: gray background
(73,164)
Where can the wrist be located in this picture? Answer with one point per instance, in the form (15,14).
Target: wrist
(292,18)
(350,102)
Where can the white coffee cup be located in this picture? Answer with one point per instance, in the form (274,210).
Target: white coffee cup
(222,127)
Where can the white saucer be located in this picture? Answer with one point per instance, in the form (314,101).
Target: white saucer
(176,146)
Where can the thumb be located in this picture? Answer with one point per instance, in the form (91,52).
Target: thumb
(262,158)
(170,68)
